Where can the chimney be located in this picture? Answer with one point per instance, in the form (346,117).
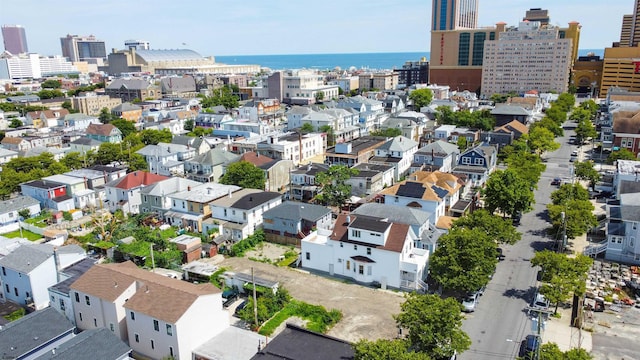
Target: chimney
(230,196)
(348,219)
(188,188)
(309,167)
(56,261)
(250,198)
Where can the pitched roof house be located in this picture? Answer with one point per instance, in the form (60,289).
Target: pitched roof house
(104,132)
(124,193)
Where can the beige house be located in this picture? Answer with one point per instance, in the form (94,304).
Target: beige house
(91,104)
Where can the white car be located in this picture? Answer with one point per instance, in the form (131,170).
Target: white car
(540,302)
(469,302)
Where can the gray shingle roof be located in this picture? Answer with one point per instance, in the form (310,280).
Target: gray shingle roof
(398,143)
(297,211)
(74,271)
(215,157)
(126,107)
(510,110)
(132,84)
(85,141)
(18,203)
(97,343)
(439,147)
(27,257)
(33,331)
(395,213)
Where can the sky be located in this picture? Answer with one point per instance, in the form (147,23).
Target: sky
(260,27)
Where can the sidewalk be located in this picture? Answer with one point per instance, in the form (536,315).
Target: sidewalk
(560,332)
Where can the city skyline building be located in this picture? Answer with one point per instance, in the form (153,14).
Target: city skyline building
(630,32)
(454,14)
(15,39)
(137,44)
(83,48)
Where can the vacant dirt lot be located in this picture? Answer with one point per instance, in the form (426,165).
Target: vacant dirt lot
(367,313)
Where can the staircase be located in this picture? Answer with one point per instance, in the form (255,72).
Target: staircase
(596,249)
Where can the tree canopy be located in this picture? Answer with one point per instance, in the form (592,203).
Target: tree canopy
(222,96)
(585,130)
(421,98)
(464,259)
(551,351)
(389,132)
(508,192)
(579,217)
(494,226)
(566,102)
(541,139)
(335,190)
(482,119)
(434,325)
(153,137)
(245,175)
(529,166)
(51,84)
(126,127)
(584,170)
(621,154)
(384,349)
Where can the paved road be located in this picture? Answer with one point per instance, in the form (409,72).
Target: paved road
(500,324)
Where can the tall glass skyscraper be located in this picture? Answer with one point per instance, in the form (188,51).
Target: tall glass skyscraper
(454,14)
(15,39)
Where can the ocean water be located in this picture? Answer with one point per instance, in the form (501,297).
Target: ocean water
(344,61)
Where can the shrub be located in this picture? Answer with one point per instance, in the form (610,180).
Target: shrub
(15,315)
(239,248)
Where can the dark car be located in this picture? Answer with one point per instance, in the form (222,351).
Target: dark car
(531,346)
(241,306)
(515,219)
(556,181)
(499,254)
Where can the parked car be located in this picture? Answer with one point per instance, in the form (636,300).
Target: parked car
(470,301)
(540,302)
(531,346)
(556,181)
(240,306)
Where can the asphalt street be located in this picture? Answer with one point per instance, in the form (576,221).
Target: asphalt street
(500,323)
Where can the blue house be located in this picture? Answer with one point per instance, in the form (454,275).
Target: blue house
(477,163)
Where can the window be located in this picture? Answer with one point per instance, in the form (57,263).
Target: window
(133,316)
(6,286)
(169,330)
(86,299)
(348,265)
(308,255)
(137,337)
(368,251)
(361,269)
(171,350)
(111,327)
(4,272)
(80,316)
(355,247)
(156,325)
(77,297)
(369,270)
(62,306)
(15,291)
(355,233)
(95,322)
(153,345)
(341,245)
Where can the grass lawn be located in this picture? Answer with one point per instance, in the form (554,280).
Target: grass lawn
(320,320)
(25,233)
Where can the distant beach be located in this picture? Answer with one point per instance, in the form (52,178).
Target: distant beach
(343,61)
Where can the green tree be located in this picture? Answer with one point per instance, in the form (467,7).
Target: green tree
(51,84)
(306,128)
(585,171)
(585,130)
(189,125)
(462,143)
(319,96)
(494,226)
(568,192)
(49,94)
(331,136)
(73,160)
(105,115)
(389,132)
(434,325)
(108,153)
(621,154)
(541,139)
(25,213)
(222,96)
(153,137)
(15,123)
(335,190)
(126,127)
(590,106)
(245,175)
(578,217)
(556,114)
(561,275)
(421,98)
(384,349)
(67,105)
(529,166)
(444,115)
(136,162)
(507,192)
(580,114)
(464,259)
(566,102)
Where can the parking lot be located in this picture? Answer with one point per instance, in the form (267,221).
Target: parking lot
(367,312)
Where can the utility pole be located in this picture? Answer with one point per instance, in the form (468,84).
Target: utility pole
(255,303)
(153,263)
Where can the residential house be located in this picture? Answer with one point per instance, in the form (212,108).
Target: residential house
(438,155)
(531,103)
(419,220)
(291,221)
(347,125)
(210,166)
(303,182)
(260,110)
(93,343)
(105,133)
(299,148)
(15,144)
(166,159)
(368,249)
(393,104)
(623,231)
(132,89)
(397,152)
(84,144)
(506,113)
(516,127)
(6,155)
(369,110)
(418,193)
(211,120)
(628,170)
(124,193)
(36,334)
(77,188)
(276,171)
(354,152)
(178,87)
(240,213)
(477,163)
(45,118)
(443,132)
(77,122)
(190,207)
(91,103)
(453,184)
(470,135)
(156,315)
(98,175)
(9,209)
(409,128)
(197,143)
(626,133)
(127,111)
(371,179)
(59,297)
(295,115)
(50,194)
(29,270)
(155,197)
(297,343)
(58,153)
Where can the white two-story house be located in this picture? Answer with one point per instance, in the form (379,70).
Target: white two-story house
(124,193)
(368,249)
(159,317)
(397,152)
(419,194)
(166,159)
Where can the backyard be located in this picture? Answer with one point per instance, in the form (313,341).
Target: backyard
(25,234)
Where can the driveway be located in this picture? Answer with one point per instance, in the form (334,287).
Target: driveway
(366,313)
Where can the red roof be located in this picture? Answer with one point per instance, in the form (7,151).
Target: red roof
(138,178)
(255,159)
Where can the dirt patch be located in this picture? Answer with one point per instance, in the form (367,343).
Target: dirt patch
(268,252)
